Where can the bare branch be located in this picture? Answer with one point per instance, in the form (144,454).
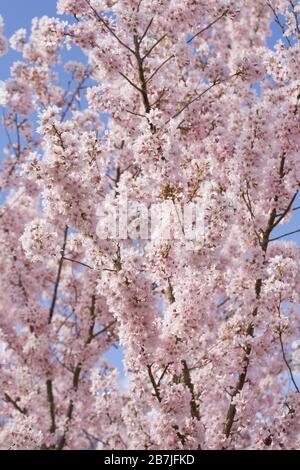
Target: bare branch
(295,16)
(54,298)
(293,209)
(287,362)
(197,97)
(79,262)
(131,83)
(154,384)
(15,404)
(163,373)
(159,67)
(143,89)
(146,30)
(50,399)
(152,47)
(208,26)
(284,235)
(189,384)
(277,20)
(106,25)
(74,94)
(134,114)
(105,328)
(281,216)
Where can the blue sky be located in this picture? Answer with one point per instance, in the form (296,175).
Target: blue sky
(18,14)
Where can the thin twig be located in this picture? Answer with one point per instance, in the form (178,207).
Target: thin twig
(194,407)
(78,262)
(285,235)
(131,82)
(146,30)
(277,20)
(283,214)
(287,362)
(154,384)
(15,404)
(54,298)
(163,373)
(134,114)
(208,26)
(159,67)
(294,209)
(197,97)
(106,25)
(50,399)
(105,328)
(153,47)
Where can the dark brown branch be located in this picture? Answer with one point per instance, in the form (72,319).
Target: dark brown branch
(171,297)
(287,362)
(208,26)
(142,78)
(159,98)
(295,16)
(131,82)
(281,216)
(76,374)
(146,30)
(163,373)
(54,298)
(223,302)
(72,99)
(78,262)
(277,20)
(293,209)
(189,384)
(284,235)
(105,328)
(15,404)
(159,67)
(134,114)
(58,134)
(50,399)
(106,25)
(154,384)
(197,97)
(249,332)
(153,47)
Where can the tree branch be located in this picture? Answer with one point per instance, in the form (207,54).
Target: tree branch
(188,383)
(152,47)
(105,328)
(281,216)
(131,82)
(208,26)
(54,298)
(50,399)
(284,235)
(159,67)
(15,404)
(287,362)
(146,30)
(78,262)
(249,332)
(154,384)
(106,25)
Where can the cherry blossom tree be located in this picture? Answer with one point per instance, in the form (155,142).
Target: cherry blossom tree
(176,101)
